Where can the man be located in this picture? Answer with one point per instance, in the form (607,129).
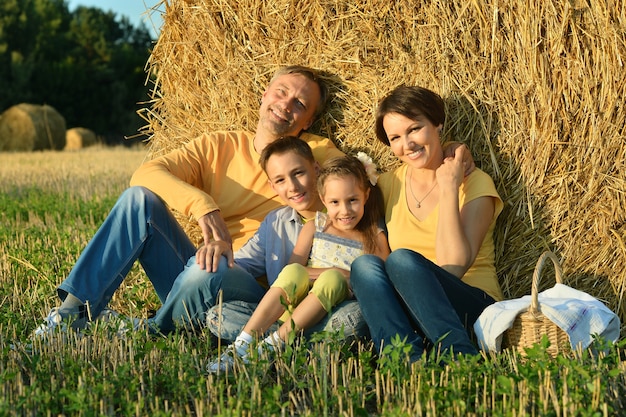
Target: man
(216,179)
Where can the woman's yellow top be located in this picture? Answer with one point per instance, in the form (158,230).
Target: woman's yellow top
(406,231)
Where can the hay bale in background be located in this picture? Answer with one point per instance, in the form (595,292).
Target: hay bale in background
(26,127)
(15,137)
(535,89)
(78,138)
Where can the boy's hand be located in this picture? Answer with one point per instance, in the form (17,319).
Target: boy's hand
(468,161)
(208,256)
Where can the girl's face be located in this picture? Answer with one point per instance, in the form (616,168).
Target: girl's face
(344,200)
(415,142)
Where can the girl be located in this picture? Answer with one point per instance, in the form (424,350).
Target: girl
(441,272)
(317,277)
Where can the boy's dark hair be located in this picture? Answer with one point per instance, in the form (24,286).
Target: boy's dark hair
(412,103)
(283,145)
(348,165)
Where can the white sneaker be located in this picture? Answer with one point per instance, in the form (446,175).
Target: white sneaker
(107,314)
(55,322)
(52,323)
(228,359)
(271,345)
(131,324)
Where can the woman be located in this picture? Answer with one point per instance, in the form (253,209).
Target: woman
(441,273)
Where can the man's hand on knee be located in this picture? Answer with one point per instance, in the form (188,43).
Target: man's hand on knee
(208,256)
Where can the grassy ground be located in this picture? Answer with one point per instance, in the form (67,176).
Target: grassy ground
(52,203)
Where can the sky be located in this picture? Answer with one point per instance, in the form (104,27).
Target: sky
(133,9)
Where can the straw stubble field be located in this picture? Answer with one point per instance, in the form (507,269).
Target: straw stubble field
(535,89)
(53,202)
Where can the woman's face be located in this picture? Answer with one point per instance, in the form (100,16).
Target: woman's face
(415,142)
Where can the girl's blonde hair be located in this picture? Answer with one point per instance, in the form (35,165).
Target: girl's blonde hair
(346,166)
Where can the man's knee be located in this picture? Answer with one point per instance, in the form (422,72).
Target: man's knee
(138,193)
(193,278)
(138,198)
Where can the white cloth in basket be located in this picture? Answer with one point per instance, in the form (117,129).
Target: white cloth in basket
(579,314)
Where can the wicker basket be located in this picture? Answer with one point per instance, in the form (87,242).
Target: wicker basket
(530,326)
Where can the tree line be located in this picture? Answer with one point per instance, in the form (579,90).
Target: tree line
(88,64)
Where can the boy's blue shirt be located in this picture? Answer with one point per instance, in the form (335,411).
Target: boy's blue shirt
(269,250)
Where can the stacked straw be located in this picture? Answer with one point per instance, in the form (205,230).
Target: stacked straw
(536,90)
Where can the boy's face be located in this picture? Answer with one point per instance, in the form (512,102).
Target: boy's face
(294,180)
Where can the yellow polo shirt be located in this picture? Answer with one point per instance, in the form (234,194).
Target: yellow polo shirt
(220,171)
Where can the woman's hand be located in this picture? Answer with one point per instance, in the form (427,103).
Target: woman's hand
(468,161)
(452,170)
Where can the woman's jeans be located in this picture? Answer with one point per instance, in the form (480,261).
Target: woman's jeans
(409,296)
(141,227)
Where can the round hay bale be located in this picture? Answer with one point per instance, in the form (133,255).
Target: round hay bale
(78,138)
(25,127)
(15,137)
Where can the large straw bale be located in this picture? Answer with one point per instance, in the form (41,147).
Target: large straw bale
(534,88)
(26,127)
(15,137)
(78,138)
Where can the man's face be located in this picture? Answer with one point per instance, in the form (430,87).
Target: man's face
(288,105)
(294,180)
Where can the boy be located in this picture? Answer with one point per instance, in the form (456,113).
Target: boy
(292,173)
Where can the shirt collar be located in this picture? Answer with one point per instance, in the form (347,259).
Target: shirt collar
(289,214)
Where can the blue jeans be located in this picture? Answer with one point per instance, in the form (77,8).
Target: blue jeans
(139,227)
(195,291)
(409,296)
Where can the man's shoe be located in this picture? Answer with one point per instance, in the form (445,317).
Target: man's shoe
(55,322)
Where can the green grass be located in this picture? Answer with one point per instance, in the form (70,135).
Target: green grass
(52,203)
